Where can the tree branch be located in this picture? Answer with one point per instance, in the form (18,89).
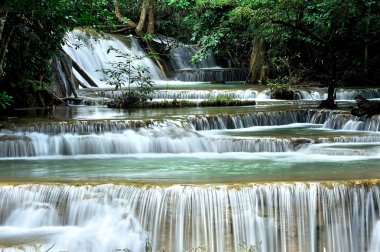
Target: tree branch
(301,29)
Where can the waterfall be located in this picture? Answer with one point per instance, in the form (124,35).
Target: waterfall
(211,74)
(193,134)
(205,70)
(194,94)
(270,217)
(348,122)
(205,94)
(236,121)
(131,142)
(341,94)
(181,59)
(245,94)
(81,127)
(154,139)
(337,120)
(90,52)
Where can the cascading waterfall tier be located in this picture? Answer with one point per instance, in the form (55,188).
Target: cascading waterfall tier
(348,122)
(245,120)
(341,94)
(244,94)
(82,127)
(205,70)
(188,135)
(209,94)
(339,217)
(124,138)
(131,142)
(181,59)
(211,74)
(337,120)
(92,54)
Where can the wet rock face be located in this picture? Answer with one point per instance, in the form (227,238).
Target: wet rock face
(365,107)
(282,94)
(298,143)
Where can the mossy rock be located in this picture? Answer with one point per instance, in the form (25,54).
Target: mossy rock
(282,94)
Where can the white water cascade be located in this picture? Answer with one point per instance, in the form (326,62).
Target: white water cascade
(205,70)
(218,179)
(283,217)
(341,94)
(90,53)
(195,134)
(181,59)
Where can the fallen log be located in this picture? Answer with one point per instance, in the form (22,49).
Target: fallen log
(84,74)
(365,107)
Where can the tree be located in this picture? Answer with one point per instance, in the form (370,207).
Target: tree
(213,30)
(32,35)
(332,37)
(128,69)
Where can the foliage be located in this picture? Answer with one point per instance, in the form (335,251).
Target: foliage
(215,31)
(277,86)
(128,72)
(5,101)
(329,35)
(222,97)
(34,30)
(336,38)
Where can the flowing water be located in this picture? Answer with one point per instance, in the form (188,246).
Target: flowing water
(275,177)
(92,54)
(189,178)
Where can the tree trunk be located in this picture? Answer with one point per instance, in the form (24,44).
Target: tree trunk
(158,61)
(330,103)
(141,24)
(117,11)
(5,38)
(366,40)
(84,74)
(3,18)
(150,29)
(257,72)
(130,24)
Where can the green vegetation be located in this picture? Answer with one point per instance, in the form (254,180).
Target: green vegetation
(31,34)
(5,101)
(135,74)
(222,97)
(292,41)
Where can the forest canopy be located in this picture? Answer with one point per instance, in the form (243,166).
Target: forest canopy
(289,41)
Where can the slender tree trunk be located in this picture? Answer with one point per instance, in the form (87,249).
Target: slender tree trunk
(366,40)
(150,29)
(85,76)
(157,60)
(117,10)
(331,94)
(256,66)
(5,38)
(330,103)
(141,24)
